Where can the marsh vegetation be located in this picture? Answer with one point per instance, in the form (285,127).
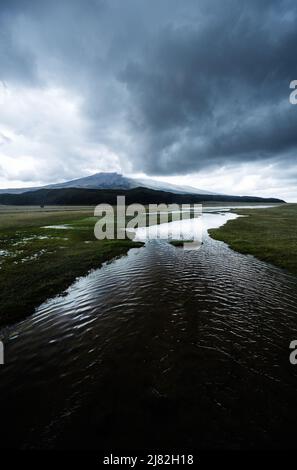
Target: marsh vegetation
(43,251)
(269,234)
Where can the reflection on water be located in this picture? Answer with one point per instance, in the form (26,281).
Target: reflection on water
(162,347)
(187,229)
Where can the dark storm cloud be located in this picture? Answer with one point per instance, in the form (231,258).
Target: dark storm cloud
(217,91)
(193,84)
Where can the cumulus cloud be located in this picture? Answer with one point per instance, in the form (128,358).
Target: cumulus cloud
(163,88)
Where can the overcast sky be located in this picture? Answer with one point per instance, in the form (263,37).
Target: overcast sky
(189,91)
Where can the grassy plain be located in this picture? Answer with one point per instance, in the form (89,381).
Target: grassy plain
(38,262)
(269,234)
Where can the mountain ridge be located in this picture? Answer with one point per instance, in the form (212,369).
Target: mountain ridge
(82,196)
(111,180)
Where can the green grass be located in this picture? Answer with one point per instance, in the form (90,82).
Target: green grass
(269,234)
(37,263)
(179,243)
(16,217)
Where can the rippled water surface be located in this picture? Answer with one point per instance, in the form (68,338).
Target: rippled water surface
(163,347)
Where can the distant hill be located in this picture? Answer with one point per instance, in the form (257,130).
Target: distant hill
(111,181)
(80,196)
